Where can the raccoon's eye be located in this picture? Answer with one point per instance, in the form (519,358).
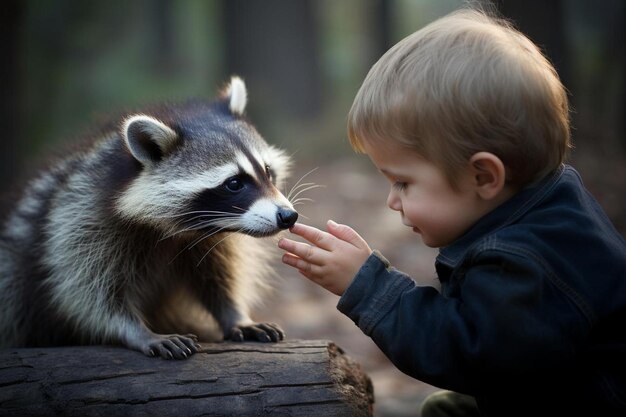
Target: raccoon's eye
(234,184)
(268,172)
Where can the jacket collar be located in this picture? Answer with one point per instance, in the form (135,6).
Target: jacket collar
(503,215)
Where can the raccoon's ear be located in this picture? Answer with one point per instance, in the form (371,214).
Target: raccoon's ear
(237,96)
(147,138)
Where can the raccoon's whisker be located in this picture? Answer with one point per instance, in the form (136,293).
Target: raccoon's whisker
(213,216)
(238,208)
(307,189)
(203,213)
(209,234)
(171,216)
(299,181)
(199,239)
(218,242)
(307,174)
(215,222)
(207,214)
(181,222)
(174,234)
(199,225)
(304,184)
(295,190)
(301,200)
(192,244)
(186,229)
(217,212)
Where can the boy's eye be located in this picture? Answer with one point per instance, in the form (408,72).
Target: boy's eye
(399,185)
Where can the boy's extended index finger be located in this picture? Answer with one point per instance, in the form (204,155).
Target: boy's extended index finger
(317,237)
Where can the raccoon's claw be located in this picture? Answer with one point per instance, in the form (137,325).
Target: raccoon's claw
(261,332)
(172,346)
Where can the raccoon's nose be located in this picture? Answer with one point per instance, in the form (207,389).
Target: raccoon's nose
(285,218)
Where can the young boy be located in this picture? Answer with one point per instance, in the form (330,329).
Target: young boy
(469,123)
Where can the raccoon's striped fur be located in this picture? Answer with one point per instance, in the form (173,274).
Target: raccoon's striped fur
(147,238)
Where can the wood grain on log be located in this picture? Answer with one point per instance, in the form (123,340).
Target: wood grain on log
(291,378)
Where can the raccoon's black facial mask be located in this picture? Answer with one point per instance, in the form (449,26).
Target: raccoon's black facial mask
(233,197)
(243,204)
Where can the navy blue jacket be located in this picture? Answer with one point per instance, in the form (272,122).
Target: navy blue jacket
(532,310)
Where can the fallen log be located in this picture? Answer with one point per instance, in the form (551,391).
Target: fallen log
(292,378)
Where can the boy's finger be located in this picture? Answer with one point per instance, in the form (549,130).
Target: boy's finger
(296,262)
(346,233)
(315,236)
(308,269)
(304,251)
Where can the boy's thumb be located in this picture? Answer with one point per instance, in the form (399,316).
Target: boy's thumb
(346,233)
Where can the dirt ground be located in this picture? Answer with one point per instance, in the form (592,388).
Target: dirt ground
(353,194)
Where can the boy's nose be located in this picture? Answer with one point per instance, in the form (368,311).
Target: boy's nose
(393,202)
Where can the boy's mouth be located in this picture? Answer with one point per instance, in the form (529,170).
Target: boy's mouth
(415,229)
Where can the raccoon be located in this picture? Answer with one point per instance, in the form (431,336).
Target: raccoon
(147,238)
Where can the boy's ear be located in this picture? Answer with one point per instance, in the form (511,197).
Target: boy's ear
(489,174)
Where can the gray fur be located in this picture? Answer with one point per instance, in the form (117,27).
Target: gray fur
(146,236)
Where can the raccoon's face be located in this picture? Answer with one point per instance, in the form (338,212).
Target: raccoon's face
(205,170)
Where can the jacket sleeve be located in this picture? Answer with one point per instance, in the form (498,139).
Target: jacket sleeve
(508,319)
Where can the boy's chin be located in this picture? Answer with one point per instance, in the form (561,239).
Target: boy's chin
(431,242)
(428,240)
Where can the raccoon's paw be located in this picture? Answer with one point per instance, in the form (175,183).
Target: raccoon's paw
(171,346)
(261,332)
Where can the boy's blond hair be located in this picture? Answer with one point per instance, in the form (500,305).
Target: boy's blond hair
(463,84)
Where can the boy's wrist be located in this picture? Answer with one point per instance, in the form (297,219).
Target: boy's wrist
(381,257)
(370,295)
(357,287)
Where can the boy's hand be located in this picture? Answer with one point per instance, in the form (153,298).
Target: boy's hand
(332,260)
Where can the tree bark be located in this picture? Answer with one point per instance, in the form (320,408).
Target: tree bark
(291,378)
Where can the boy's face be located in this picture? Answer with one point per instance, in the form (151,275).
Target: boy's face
(423,196)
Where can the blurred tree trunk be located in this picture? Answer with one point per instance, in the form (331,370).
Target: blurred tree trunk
(381,12)
(613,41)
(543,22)
(164,53)
(10,18)
(272,44)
